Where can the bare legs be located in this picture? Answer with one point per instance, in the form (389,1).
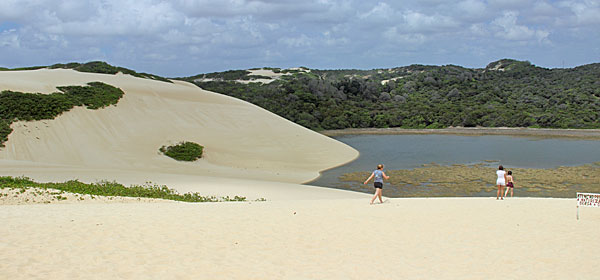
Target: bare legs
(377,195)
(500,192)
(506,192)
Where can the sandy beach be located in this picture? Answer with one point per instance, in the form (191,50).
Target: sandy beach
(471,238)
(300,232)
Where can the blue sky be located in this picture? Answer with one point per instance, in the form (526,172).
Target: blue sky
(187,37)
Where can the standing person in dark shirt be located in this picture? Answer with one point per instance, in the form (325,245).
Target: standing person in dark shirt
(379,175)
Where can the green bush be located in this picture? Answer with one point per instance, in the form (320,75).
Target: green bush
(96,95)
(5,130)
(184,151)
(16,106)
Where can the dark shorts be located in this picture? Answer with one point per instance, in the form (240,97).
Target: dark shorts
(510,185)
(378,185)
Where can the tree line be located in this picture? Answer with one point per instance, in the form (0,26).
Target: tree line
(506,93)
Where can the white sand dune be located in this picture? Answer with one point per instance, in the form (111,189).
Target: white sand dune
(121,142)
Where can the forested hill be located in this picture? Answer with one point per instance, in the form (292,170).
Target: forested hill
(506,93)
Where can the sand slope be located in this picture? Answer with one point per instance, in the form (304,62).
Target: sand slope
(121,142)
(472,238)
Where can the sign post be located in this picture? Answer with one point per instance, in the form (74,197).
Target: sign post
(587,200)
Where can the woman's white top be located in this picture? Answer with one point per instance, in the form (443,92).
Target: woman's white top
(500,180)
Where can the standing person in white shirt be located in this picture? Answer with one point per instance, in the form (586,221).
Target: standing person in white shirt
(500,182)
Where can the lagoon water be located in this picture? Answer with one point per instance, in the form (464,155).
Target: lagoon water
(412,151)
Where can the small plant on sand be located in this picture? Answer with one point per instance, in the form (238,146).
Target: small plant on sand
(105,188)
(184,151)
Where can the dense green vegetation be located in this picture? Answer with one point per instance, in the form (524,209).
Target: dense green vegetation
(231,75)
(506,93)
(105,68)
(15,106)
(94,67)
(22,68)
(115,189)
(184,151)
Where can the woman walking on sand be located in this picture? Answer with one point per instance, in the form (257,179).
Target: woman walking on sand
(378,182)
(510,184)
(500,182)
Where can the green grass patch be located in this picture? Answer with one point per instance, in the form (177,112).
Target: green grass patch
(184,151)
(106,188)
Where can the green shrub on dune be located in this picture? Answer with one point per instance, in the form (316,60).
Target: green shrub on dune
(22,68)
(5,130)
(99,67)
(184,151)
(102,67)
(15,106)
(96,95)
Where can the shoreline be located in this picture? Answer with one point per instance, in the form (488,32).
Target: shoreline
(592,134)
(460,180)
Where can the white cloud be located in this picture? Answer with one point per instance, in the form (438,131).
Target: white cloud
(380,12)
(510,4)
(331,40)
(511,30)
(10,38)
(258,8)
(478,29)
(473,9)
(301,41)
(419,22)
(397,36)
(543,8)
(15,9)
(201,35)
(586,12)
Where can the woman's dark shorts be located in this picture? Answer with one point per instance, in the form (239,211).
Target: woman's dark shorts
(378,185)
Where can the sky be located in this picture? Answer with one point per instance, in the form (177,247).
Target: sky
(188,37)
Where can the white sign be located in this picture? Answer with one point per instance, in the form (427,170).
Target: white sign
(588,199)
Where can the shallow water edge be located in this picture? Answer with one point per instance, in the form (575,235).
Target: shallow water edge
(462,162)
(474,131)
